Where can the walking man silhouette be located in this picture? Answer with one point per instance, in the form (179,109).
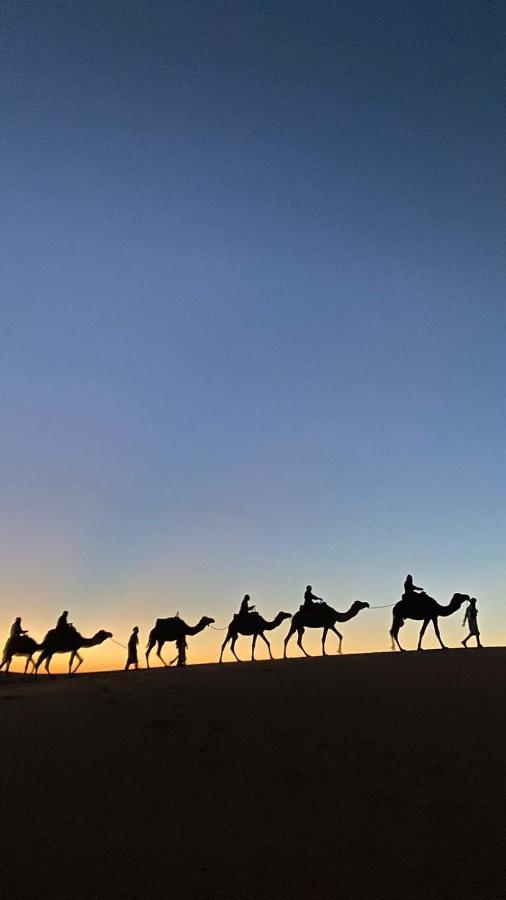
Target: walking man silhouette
(471,617)
(181,650)
(133,642)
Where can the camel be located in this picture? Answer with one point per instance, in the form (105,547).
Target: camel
(423,608)
(173,630)
(253,624)
(21,645)
(69,641)
(320,615)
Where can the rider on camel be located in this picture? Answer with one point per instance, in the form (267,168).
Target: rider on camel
(411,590)
(245,607)
(309,597)
(62,626)
(16,630)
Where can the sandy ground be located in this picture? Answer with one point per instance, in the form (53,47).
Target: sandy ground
(376,775)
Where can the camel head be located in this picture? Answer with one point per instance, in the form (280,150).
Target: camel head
(458,599)
(280,617)
(205,621)
(360,604)
(102,636)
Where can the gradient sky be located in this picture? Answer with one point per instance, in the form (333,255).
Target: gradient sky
(253,312)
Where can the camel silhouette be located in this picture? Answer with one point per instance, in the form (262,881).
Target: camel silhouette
(69,641)
(426,609)
(253,624)
(20,645)
(321,615)
(172,630)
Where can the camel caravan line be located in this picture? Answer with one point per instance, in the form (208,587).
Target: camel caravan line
(314,613)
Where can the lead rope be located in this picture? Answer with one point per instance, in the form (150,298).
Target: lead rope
(118,643)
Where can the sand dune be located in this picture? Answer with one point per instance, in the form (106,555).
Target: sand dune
(372,775)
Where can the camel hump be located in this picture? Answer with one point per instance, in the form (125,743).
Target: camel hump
(315,607)
(246,617)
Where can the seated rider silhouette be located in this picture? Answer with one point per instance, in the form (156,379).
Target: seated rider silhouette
(245,608)
(309,597)
(16,630)
(411,591)
(62,626)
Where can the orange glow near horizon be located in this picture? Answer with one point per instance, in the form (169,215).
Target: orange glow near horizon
(368,633)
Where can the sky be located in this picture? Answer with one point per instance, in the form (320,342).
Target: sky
(252,314)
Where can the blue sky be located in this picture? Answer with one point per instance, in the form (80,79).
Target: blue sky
(252,320)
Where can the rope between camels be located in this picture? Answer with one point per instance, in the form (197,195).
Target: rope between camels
(118,643)
(385,606)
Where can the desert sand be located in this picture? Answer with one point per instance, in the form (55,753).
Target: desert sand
(378,775)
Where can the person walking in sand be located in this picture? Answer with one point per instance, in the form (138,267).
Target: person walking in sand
(16,630)
(133,643)
(471,618)
(182,647)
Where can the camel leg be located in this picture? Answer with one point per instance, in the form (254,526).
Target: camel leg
(232,647)
(324,638)
(262,635)
(6,662)
(28,658)
(395,640)
(224,644)
(159,653)
(291,631)
(422,632)
(44,657)
(299,641)
(175,659)
(253,645)
(149,648)
(339,636)
(80,662)
(436,629)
